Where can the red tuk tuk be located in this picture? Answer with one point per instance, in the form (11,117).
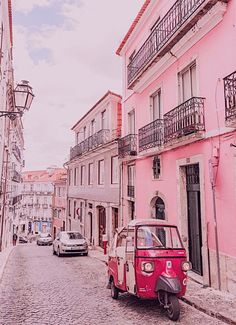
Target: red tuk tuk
(147,259)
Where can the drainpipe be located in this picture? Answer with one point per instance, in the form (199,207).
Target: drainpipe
(121,194)
(213,166)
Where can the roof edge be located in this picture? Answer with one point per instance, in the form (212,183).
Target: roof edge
(133,25)
(109,92)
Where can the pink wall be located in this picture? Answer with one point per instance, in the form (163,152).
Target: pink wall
(215,57)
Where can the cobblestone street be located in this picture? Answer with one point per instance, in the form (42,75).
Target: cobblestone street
(39,288)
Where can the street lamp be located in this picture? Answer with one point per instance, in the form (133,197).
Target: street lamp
(23,97)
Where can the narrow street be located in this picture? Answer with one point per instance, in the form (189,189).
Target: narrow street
(39,288)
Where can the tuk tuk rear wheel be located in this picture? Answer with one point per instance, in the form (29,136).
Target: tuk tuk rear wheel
(114,290)
(174,308)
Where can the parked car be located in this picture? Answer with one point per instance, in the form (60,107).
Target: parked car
(44,239)
(23,239)
(70,242)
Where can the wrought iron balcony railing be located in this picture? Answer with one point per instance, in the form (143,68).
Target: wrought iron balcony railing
(127,146)
(230,97)
(171,28)
(151,135)
(16,152)
(130,191)
(185,119)
(16,177)
(99,138)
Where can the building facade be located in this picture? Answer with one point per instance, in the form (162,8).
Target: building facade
(177,151)
(59,204)
(11,135)
(37,200)
(93,173)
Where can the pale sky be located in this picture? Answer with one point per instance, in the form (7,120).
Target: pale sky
(66,49)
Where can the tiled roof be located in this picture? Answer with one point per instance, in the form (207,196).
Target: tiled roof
(43,175)
(132,27)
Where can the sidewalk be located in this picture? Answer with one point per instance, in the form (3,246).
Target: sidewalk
(220,305)
(3,259)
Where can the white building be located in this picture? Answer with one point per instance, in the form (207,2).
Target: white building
(37,200)
(93,171)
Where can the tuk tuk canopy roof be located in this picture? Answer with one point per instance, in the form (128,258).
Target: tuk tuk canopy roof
(146,222)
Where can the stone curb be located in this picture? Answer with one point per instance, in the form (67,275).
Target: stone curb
(4,260)
(209,312)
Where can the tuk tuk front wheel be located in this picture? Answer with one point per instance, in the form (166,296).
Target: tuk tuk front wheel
(173,310)
(114,290)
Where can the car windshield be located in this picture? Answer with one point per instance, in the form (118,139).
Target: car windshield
(45,235)
(158,237)
(72,235)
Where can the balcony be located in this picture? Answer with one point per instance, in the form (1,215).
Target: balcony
(185,119)
(230,99)
(16,152)
(16,177)
(151,135)
(127,146)
(130,191)
(98,139)
(181,17)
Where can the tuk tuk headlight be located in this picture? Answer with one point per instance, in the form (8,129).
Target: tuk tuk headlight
(186,266)
(147,267)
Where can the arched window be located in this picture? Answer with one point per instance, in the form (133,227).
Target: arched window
(159,209)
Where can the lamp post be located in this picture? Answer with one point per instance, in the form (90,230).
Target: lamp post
(23,97)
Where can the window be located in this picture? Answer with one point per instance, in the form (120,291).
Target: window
(69,208)
(92,127)
(101,172)
(103,120)
(132,56)
(187,83)
(78,137)
(155,103)
(156,167)
(70,176)
(82,175)
(84,132)
(74,209)
(131,122)
(75,176)
(114,170)
(90,174)
(131,175)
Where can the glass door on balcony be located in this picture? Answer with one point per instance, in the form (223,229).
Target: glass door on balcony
(131,177)
(131,122)
(155,103)
(187,83)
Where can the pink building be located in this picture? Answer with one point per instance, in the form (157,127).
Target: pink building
(59,204)
(178,155)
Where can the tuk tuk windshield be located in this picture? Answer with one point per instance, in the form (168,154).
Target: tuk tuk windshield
(158,237)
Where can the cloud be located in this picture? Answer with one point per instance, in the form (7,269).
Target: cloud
(26,6)
(78,66)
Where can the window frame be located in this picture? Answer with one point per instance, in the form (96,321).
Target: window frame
(99,172)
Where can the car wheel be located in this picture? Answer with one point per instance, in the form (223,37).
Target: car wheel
(85,254)
(114,290)
(58,252)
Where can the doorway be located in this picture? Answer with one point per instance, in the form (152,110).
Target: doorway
(101,224)
(114,220)
(194,217)
(90,232)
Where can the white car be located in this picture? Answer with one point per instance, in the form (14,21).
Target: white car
(70,242)
(44,239)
